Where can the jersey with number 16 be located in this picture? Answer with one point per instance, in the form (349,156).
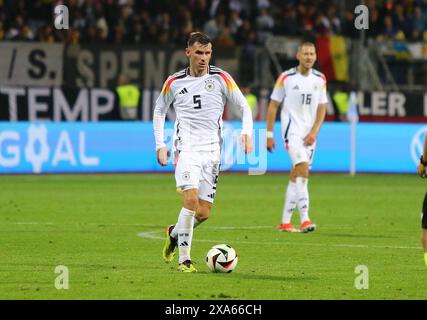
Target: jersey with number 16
(300,96)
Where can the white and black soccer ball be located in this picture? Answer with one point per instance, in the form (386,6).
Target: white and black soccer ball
(221,258)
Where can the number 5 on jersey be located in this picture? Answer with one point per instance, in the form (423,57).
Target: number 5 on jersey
(197,101)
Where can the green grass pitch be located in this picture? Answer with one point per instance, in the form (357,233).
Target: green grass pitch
(108,231)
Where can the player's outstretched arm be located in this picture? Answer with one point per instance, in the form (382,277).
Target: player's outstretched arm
(235,96)
(246,141)
(162,156)
(247,127)
(273,106)
(311,137)
(162,105)
(159,115)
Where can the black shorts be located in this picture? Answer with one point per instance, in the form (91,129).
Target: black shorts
(424,219)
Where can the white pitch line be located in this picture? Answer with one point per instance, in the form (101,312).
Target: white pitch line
(151,235)
(329,226)
(30,223)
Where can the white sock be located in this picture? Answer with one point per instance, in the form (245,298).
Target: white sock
(174,232)
(185,233)
(290,202)
(302,198)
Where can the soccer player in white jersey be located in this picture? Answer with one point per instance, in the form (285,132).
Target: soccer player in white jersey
(198,94)
(301,92)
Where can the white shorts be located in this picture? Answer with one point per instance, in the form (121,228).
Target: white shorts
(298,151)
(198,170)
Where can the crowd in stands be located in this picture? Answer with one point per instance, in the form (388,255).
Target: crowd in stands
(229,22)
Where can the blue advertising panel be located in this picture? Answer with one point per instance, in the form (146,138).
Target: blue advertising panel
(61,147)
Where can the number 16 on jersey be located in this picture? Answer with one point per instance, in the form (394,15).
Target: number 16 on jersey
(306,98)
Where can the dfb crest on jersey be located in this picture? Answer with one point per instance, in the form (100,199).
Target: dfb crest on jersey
(209,85)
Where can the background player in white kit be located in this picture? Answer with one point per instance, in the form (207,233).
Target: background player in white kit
(302,93)
(198,94)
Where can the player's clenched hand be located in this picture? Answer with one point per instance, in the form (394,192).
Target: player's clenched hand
(310,139)
(246,140)
(422,171)
(162,156)
(270,144)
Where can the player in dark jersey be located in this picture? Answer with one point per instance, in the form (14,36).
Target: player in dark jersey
(422,171)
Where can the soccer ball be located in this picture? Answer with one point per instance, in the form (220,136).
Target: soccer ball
(221,258)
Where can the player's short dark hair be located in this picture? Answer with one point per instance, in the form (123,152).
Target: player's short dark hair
(198,37)
(306,44)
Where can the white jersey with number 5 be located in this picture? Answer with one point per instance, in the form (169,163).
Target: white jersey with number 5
(300,96)
(199,105)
